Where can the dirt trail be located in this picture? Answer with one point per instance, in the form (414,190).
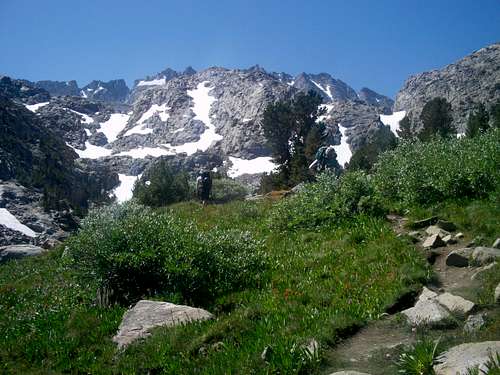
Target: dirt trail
(372,349)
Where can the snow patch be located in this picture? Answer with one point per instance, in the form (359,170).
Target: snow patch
(155,109)
(138,129)
(116,123)
(328,108)
(326,91)
(91,151)
(202,104)
(393,120)
(251,166)
(36,107)
(83,93)
(123,192)
(86,118)
(11,222)
(142,152)
(153,82)
(343,151)
(246,120)
(88,132)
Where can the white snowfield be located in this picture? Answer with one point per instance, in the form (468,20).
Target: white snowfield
(343,151)
(202,103)
(393,120)
(328,108)
(35,107)
(11,222)
(116,123)
(153,82)
(123,192)
(251,166)
(327,91)
(142,152)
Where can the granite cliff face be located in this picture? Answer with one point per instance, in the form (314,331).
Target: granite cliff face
(471,80)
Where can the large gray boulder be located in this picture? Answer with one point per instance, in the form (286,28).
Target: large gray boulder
(18,251)
(146,315)
(465,356)
(426,312)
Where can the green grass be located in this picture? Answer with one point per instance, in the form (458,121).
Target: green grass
(321,284)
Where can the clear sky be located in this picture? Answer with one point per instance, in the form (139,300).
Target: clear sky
(377,44)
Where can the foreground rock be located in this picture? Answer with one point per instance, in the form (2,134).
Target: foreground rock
(455,303)
(484,255)
(465,356)
(459,258)
(145,315)
(433,242)
(18,252)
(349,372)
(497,294)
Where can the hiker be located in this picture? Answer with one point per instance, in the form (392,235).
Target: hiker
(204,186)
(326,159)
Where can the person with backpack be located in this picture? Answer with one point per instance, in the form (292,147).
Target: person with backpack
(325,159)
(204,186)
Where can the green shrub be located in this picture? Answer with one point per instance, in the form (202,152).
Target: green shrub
(419,359)
(226,189)
(133,251)
(160,186)
(329,199)
(425,173)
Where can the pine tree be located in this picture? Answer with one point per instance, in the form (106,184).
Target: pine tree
(437,120)
(495,115)
(293,135)
(405,130)
(478,121)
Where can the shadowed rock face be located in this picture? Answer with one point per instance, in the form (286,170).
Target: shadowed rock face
(471,80)
(59,88)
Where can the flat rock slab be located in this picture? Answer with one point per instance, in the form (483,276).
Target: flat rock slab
(427,294)
(434,229)
(433,241)
(484,255)
(18,251)
(455,303)
(459,358)
(427,311)
(146,314)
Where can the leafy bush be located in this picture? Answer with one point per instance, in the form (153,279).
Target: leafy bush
(160,186)
(419,359)
(328,199)
(133,251)
(424,173)
(226,189)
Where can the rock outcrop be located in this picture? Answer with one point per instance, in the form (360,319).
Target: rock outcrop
(463,357)
(471,80)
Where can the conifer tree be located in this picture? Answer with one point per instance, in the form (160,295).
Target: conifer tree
(405,130)
(437,120)
(478,121)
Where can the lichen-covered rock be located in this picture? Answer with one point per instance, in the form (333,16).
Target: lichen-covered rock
(455,303)
(145,315)
(484,255)
(18,252)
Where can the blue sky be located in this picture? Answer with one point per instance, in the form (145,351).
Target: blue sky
(377,44)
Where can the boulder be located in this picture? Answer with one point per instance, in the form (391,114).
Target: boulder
(18,251)
(459,258)
(497,294)
(459,235)
(433,241)
(145,315)
(484,255)
(474,323)
(455,303)
(349,372)
(496,244)
(426,312)
(446,225)
(482,269)
(459,359)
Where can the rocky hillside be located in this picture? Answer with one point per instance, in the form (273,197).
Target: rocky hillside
(115,91)
(471,80)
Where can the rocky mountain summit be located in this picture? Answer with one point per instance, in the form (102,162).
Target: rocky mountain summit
(472,80)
